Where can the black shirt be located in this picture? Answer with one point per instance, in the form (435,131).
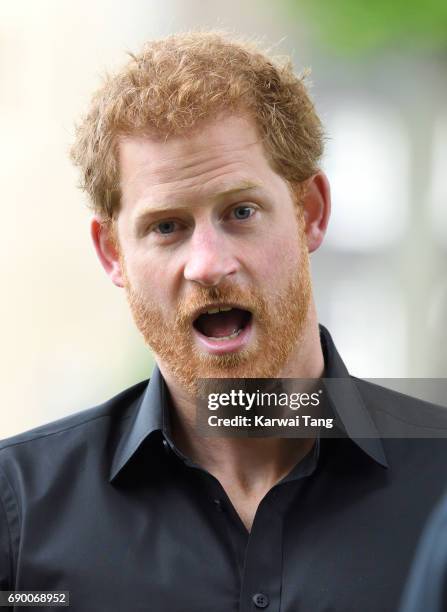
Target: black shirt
(103,505)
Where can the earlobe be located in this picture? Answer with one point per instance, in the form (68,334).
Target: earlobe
(316,203)
(107,249)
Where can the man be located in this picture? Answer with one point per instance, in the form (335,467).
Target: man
(201,161)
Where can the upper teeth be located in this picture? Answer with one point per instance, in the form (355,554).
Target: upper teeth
(219,308)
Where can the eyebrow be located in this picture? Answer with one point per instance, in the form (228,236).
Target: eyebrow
(149,211)
(245,186)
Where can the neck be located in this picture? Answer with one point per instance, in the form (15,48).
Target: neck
(250,464)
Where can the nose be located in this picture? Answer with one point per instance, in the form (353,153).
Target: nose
(210,257)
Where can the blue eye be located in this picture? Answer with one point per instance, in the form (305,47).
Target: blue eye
(243,212)
(165,227)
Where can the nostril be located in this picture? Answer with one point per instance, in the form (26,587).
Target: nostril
(208,274)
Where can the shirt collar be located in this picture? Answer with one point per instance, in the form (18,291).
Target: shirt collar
(346,401)
(147,419)
(348,404)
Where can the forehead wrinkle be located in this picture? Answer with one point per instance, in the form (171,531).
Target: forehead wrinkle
(217,182)
(181,160)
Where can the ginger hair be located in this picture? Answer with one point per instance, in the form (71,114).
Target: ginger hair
(175,84)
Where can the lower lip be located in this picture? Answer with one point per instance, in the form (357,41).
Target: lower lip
(219,347)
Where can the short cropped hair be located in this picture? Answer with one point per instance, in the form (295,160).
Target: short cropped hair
(176,83)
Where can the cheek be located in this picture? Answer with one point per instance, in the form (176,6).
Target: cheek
(145,276)
(156,282)
(277,258)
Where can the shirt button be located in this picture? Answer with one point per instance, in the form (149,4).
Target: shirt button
(260,600)
(218,504)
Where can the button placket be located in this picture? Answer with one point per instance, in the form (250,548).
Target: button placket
(263,557)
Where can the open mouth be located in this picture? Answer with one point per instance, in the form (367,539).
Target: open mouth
(220,323)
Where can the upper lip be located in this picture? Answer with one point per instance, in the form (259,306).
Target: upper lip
(205,309)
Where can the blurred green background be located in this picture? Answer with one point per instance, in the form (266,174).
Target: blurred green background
(379,83)
(357,27)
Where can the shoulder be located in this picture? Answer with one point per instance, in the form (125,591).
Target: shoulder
(95,421)
(397,414)
(40,468)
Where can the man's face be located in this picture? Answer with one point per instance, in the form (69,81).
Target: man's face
(213,252)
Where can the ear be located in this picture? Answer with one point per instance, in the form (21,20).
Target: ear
(316,202)
(106,249)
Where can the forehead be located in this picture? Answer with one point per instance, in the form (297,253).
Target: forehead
(218,153)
